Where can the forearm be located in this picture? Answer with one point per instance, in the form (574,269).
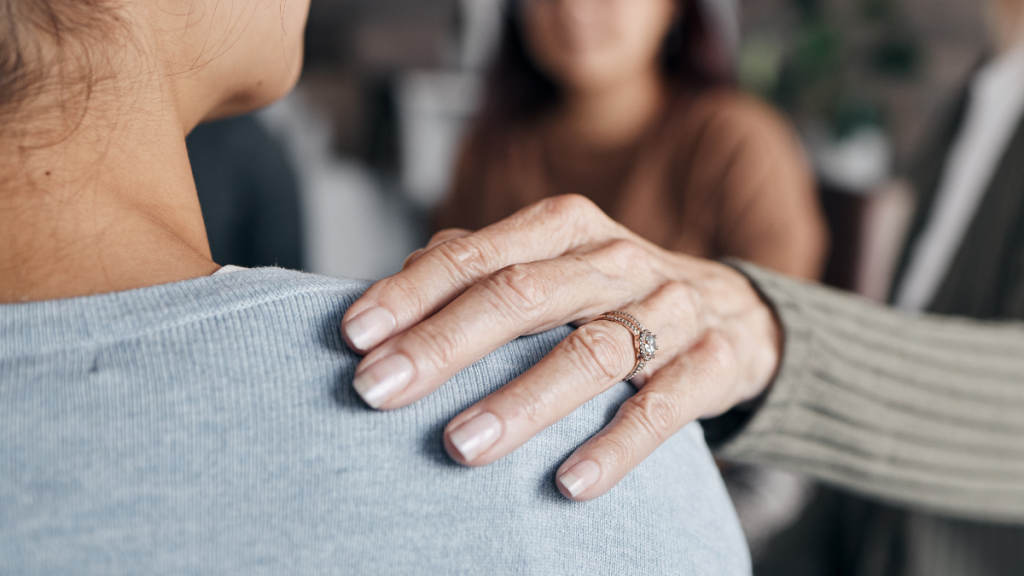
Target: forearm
(924,411)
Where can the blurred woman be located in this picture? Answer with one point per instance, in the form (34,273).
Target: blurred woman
(919,413)
(631,103)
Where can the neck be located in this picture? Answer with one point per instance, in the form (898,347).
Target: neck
(108,205)
(613,115)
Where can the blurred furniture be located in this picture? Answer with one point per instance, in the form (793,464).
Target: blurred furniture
(433,109)
(249,194)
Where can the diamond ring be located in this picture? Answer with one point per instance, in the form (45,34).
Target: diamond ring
(644,341)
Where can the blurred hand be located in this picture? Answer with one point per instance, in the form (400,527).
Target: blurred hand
(564,261)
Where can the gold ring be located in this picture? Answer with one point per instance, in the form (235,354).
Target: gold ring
(644,341)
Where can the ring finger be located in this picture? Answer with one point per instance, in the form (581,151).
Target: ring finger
(594,358)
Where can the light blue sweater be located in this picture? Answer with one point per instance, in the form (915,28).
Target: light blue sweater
(209,427)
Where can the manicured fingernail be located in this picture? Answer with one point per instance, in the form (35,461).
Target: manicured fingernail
(370,328)
(580,477)
(477,435)
(385,378)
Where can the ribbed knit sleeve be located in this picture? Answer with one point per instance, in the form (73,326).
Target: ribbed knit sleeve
(923,411)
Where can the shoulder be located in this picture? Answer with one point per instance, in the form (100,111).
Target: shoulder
(285,298)
(738,141)
(255,286)
(238,387)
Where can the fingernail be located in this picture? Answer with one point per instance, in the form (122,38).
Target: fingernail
(370,328)
(385,378)
(477,435)
(580,477)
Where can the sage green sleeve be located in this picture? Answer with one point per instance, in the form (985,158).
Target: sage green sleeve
(922,411)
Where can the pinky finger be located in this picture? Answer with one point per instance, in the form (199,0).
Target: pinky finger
(675,396)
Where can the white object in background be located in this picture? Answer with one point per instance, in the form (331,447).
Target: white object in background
(993,113)
(433,110)
(858,163)
(481,28)
(352,228)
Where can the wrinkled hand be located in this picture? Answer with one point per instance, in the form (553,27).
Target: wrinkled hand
(564,261)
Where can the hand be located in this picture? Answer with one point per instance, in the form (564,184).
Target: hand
(564,261)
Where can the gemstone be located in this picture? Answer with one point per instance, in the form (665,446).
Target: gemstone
(648,345)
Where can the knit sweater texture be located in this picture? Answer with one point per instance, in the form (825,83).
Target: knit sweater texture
(210,427)
(921,412)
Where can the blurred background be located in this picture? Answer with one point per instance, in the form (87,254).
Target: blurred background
(342,177)
(373,128)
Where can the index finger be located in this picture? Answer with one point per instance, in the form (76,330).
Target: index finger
(542,231)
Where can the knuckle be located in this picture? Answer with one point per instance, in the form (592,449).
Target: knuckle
(601,352)
(679,291)
(519,287)
(466,257)
(570,207)
(626,253)
(718,354)
(440,348)
(627,258)
(570,203)
(654,411)
(684,298)
(682,294)
(714,371)
(525,405)
(400,293)
(617,450)
(718,348)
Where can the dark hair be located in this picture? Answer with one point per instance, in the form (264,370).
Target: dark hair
(516,89)
(51,44)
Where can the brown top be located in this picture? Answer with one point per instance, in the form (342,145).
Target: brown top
(718,174)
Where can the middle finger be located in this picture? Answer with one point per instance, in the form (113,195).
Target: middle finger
(521,299)
(591,360)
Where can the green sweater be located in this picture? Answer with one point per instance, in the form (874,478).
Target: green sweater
(922,412)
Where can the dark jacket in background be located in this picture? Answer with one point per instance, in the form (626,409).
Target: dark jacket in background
(249,194)
(845,535)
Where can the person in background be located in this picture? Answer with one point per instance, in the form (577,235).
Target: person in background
(249,194)
(914,414)
(632,104)
(964,257)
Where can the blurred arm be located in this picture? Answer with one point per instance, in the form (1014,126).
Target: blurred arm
(923,411)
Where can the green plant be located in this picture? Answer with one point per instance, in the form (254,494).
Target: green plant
(828,67)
